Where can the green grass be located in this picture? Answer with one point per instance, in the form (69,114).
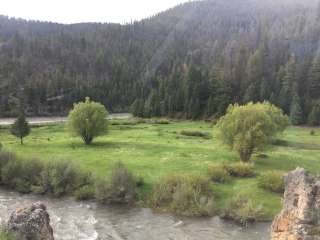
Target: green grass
(153,150)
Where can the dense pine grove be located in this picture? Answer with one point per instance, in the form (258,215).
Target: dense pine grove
(191,61)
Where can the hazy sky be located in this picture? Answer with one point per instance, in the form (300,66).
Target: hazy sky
(74,11)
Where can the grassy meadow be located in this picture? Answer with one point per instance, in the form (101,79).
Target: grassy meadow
(152,150)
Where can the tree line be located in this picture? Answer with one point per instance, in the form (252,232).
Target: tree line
(191,61)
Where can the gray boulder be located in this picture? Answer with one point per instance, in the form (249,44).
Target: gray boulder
(31,223)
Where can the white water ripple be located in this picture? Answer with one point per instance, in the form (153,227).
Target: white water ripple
(86,221)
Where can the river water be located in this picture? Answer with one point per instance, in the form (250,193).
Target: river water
(47,120)
(73,220)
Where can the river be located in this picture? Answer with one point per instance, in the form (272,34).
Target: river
(73,220)
(47,120)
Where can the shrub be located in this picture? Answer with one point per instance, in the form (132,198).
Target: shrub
(312,132)
(240,169)
(124,122)
(62,177)
(21,174)
(140,181)
(86,192)
(9,173)
(6,157)
(88,120)
(251,127)
(102,189)
(5,235)
(120,189)
(160,121)
(184,195)
(271,181)
(314,231)
(31,175)
(191,133)
(218,174)
(242,210)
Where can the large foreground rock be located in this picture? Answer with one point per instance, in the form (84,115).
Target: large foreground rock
(300,216)
(31,223)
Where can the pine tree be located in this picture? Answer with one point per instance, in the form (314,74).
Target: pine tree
(296,114)
(20,127)
(137,108)
(314,79)
(314,115)
(254,73)
(211,107)
(288,82)
(265,90)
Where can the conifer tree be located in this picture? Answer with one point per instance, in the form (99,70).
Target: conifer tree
(314,115)
(314,78)
(296,114)
(288,82)
(20,127)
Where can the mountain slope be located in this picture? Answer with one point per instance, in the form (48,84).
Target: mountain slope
(192,60)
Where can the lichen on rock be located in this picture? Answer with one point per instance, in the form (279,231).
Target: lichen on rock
(31,223)
(300,216)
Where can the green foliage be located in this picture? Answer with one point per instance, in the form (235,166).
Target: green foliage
(271,181)
(63,178)
(243,210)
(314,231)
(86,192)
(242,170)
(32,175)
(296,114)
(187,195)
(119,122)
(314,115)
(88,120)
(20,127)
(120,189)
(21,174)
(194,133)
(140,181)
(288,98)
(218,174)
(152,156)
(314,78)
(250,127)
(137,108)
(5,235)
(159,121)
(6,157)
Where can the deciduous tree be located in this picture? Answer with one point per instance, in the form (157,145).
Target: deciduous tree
(88,120)
(251,127)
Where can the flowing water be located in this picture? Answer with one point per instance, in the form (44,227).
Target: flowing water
(73,220)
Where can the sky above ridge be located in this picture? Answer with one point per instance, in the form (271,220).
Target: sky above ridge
(75,11)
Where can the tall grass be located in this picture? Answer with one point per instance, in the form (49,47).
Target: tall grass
(186,195)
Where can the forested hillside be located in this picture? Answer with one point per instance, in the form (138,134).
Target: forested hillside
(191,61)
